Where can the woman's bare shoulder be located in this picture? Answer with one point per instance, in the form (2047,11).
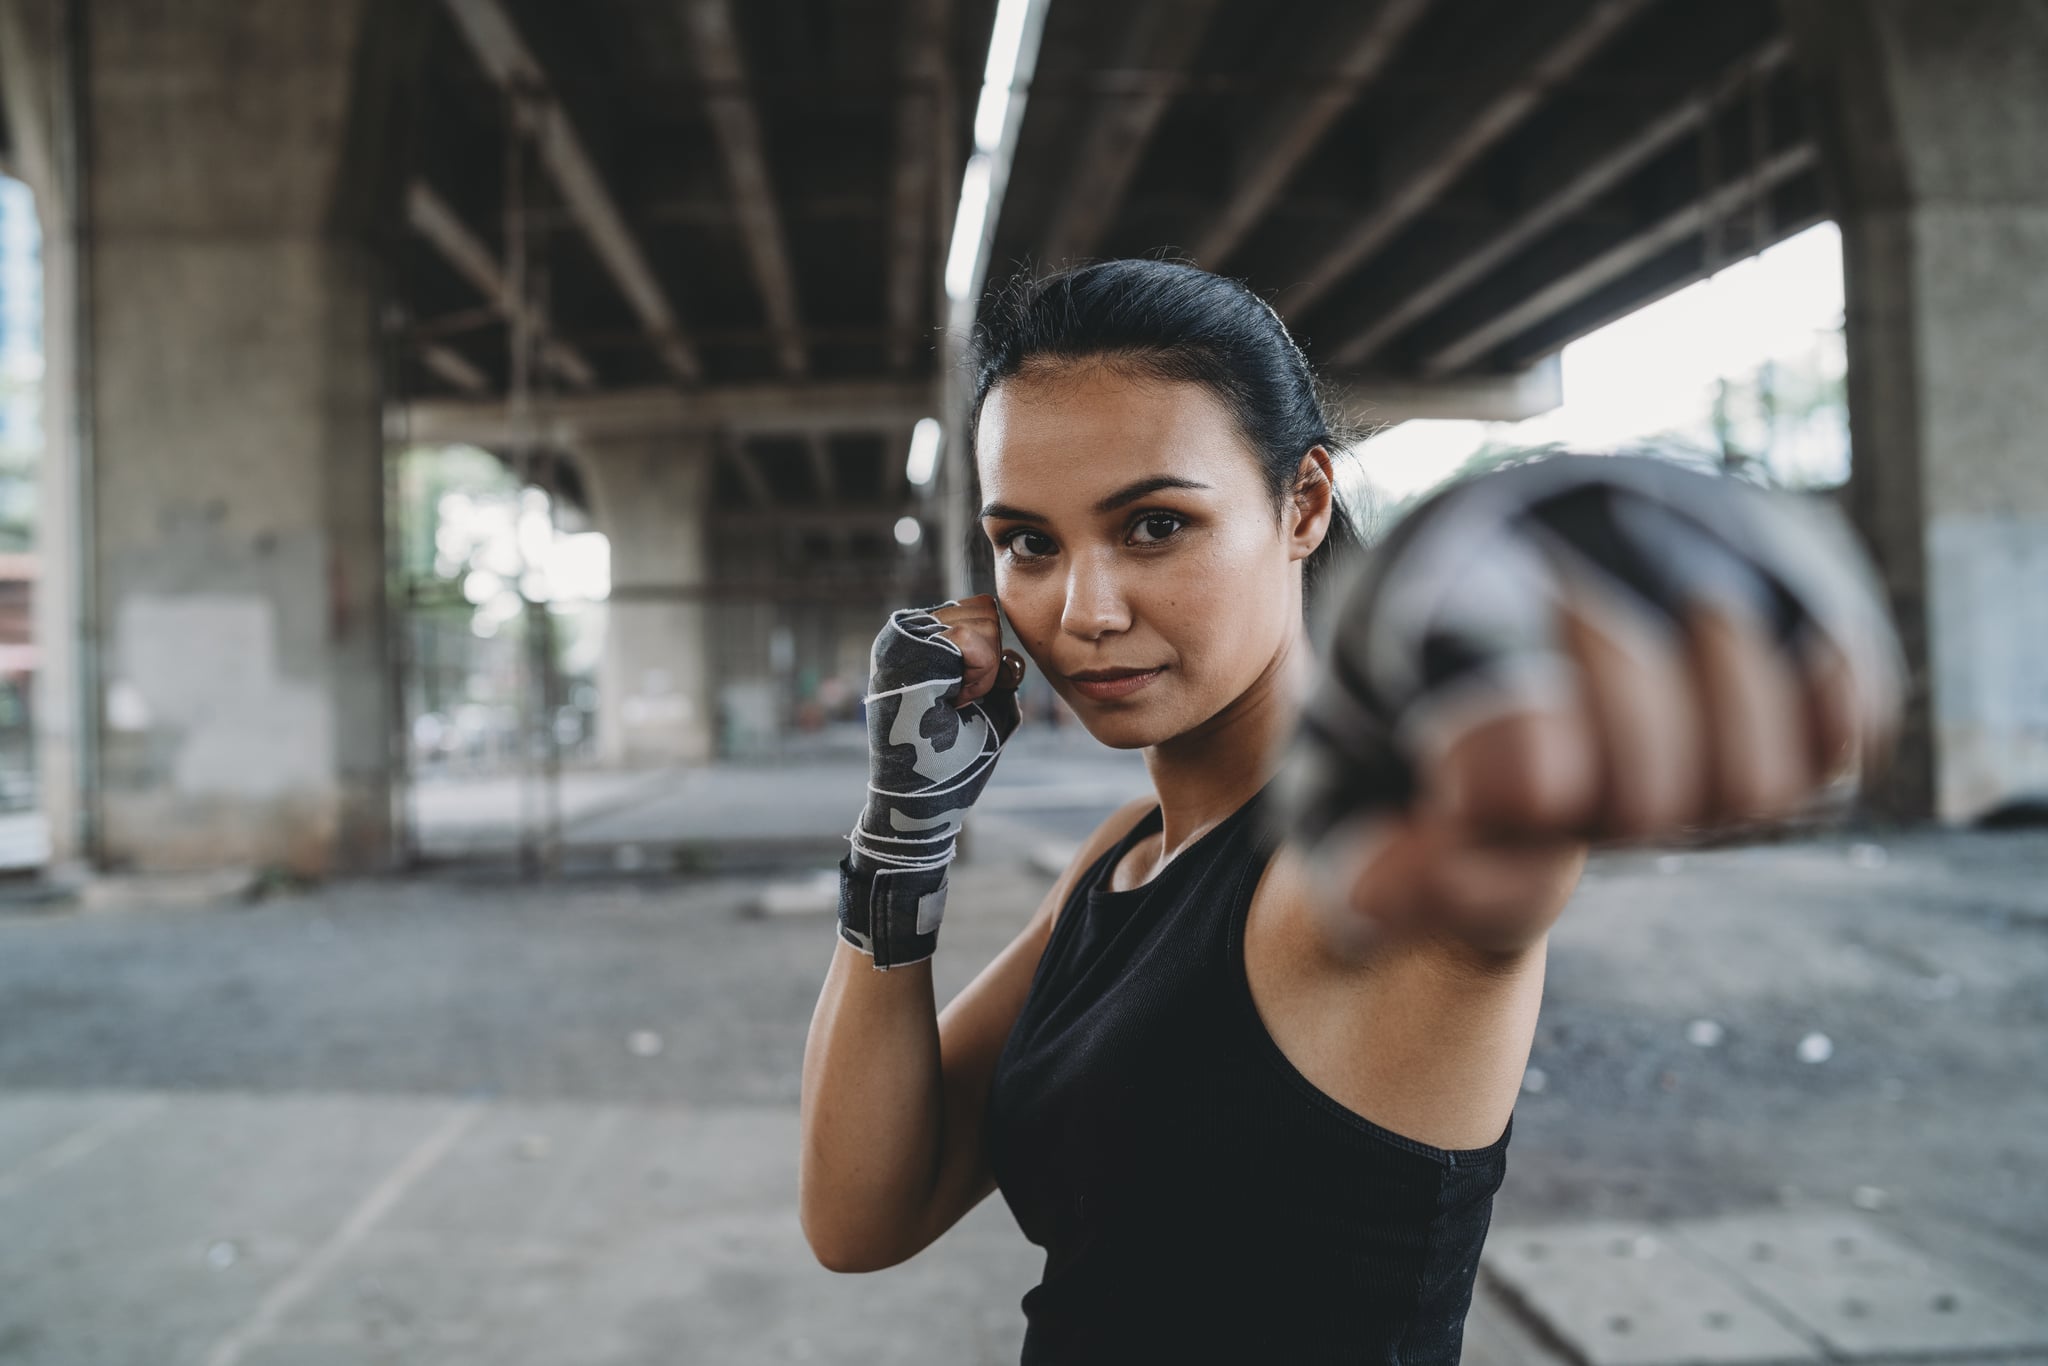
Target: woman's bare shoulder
(1411,1031)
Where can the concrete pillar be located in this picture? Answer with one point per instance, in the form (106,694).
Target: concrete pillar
(35,84)
(651,497)
(211,174)
(1935,121)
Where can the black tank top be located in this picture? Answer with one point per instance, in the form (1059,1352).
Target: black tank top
(1197,1197)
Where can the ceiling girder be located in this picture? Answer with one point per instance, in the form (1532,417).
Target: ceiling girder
(506,58)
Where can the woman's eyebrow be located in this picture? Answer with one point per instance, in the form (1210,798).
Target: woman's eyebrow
(1008,513)
(1132,492)
(1129,493)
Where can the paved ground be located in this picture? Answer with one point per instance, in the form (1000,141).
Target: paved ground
(748,816)
(452,1119)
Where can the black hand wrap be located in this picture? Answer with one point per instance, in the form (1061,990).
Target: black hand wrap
(1456,608)
(928,759)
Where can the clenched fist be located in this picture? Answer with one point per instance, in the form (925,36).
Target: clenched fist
(1595,648)
(975,628)
(941,700)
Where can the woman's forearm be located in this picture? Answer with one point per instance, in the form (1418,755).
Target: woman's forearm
(941,701)
(871,1112)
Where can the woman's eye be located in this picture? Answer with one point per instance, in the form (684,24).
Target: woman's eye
(1017,543)
(1156,526)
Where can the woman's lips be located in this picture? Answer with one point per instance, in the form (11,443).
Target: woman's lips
(1102,689)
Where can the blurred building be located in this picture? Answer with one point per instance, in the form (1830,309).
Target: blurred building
(21,316)
(21,439)
(697,272)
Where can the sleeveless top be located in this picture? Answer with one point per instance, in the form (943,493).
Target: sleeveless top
(1197,1197)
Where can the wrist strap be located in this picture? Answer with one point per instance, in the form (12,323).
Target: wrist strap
(891,914)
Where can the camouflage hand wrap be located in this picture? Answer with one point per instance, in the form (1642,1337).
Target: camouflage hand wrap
(928,759)
(1454,613)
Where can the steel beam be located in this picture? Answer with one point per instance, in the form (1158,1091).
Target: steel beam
(912,225)
(1634,292)
(434,219)
(505,57)
(565,420)
(1611,264)
(453,366)
(1274,152)
(1636,146)
(723,70)
(1161,36)
(1426,167)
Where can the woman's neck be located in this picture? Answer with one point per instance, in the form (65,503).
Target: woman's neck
(1203,775)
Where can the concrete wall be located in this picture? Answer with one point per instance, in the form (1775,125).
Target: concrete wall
(651,497)
(1936,120)
(229,453)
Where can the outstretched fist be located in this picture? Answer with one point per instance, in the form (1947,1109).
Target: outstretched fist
(1597,648)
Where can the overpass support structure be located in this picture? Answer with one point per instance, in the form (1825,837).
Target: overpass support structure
(1934,119)
(208,175)
(651,497)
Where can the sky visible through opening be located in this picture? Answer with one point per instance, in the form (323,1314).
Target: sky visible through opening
(1651,379)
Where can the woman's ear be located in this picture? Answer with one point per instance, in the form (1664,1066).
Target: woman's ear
(1312,503)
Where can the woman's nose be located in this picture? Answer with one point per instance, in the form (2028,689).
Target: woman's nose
(1095,600)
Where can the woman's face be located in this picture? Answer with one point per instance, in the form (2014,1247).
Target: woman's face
(1133,531)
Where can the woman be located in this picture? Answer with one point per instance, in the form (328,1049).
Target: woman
(1247,1074)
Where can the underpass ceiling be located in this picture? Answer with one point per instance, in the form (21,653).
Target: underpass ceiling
(743,194)
(1398,176)
(714,126)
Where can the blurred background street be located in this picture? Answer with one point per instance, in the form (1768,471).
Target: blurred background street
(455,456)
(463,1118)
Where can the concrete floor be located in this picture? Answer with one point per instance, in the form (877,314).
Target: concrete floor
(750,815)
(453,1119)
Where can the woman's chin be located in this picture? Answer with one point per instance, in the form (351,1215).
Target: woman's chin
(1119,731)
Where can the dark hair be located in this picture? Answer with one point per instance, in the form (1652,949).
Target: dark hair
(1174,322)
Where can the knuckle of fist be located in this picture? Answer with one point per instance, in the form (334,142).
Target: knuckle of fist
(1632,812)
(1780,796)
(1555,795)
(1539,793)
(1751,796)
(1642,818)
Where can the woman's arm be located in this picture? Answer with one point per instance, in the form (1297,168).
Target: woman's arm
(1661,737)
(1564,653)
(1573,651)
(894,1091)
(1416,994)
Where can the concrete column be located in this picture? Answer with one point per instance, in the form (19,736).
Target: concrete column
(35,83)
(1935,119)
(651,497)
(217,547)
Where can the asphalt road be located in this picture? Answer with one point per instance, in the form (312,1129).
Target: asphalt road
(176,1079)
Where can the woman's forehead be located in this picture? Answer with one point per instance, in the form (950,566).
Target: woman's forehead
(1066,431)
